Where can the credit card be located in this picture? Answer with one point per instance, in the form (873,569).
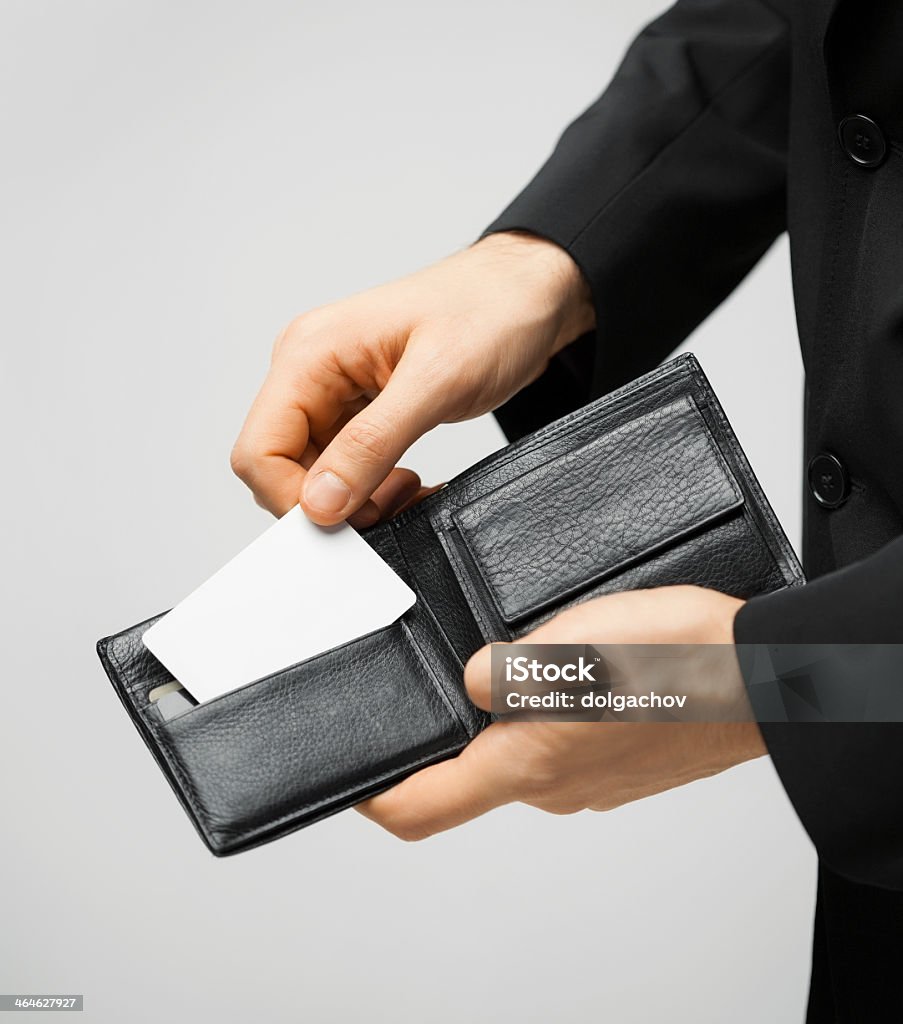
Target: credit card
(170,700)
(295,592)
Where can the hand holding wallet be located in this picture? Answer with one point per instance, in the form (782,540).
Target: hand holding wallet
(644,487)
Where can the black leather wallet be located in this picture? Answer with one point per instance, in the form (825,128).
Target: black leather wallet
(644,487)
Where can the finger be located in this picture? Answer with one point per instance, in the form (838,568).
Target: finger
(396,491)
(399,491)
(415,499)
(597,621)
(362,454)
(478,677)
(447,794)
(367,515)
(398,487)
(321,435)
(273,439)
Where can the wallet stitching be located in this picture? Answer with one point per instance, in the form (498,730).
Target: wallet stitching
(718,454)
(437,684)
(760,502)
(299,812)
(459,514)
(681,366)
(776,531)
(444,639)
(162,745)
(288,668)
(465,520)
(603,575)
(466,583)
(424,604)
(123,672)
(168,753)
(131,684)
(307,808)
(556,435)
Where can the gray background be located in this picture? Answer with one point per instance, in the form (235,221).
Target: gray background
(178,181)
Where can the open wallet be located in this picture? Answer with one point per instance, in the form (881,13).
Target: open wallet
(644,487)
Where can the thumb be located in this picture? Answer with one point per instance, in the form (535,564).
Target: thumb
(450,793)
(366,449)
(478,676)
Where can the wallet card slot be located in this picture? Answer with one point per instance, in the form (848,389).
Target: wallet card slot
(481,602)
(558,529)
(308,664)
(310,739)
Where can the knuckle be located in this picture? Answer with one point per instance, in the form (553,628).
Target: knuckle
(300,330)
(543,772)
(368,440)
(278,343)
(241,461)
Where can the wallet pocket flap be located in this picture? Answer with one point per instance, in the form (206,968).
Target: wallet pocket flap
(566,524)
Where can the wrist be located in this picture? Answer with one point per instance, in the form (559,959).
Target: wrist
(563,284)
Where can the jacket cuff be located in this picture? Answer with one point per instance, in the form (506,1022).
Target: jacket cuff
(842,779)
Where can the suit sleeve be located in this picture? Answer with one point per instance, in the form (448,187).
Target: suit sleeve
(844,780)
(665,192)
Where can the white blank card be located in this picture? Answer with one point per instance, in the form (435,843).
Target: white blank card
(296,591)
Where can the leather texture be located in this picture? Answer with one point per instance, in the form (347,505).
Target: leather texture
(645,487)
(532,538)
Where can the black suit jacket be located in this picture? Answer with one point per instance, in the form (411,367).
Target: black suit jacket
(728,122)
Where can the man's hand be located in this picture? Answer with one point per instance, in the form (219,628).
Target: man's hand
(564,767)
(353,385)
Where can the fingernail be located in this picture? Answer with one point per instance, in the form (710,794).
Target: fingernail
(326,493)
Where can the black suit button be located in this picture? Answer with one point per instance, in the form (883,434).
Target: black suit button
(828,480)
(862,140)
